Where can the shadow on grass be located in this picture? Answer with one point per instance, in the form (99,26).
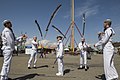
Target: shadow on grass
(29,76)
(44,66)
(102,77)
(67,71)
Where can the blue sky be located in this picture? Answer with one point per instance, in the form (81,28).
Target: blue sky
(22,13)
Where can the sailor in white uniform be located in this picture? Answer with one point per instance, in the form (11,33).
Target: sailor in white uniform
(34,53)
(8,41)
(83,54)
(59,56)
(108,51)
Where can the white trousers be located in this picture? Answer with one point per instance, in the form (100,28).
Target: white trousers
(109,69)
(60,66)
(83,58)
(6,64)
(33,56)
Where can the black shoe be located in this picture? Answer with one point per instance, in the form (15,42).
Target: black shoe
(29,67)
(35,67)
(9,79)
(86,69)
(89,58)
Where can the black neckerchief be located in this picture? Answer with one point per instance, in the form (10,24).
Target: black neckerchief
(12,33)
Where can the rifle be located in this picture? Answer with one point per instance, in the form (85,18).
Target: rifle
(83,24)
(39,28)
(58,31)
(52,16)
(55,62)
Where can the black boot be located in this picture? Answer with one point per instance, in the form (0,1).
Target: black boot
(86,68)
(9,79)
(29,67)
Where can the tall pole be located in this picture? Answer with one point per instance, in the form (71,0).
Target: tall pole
(72,26)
